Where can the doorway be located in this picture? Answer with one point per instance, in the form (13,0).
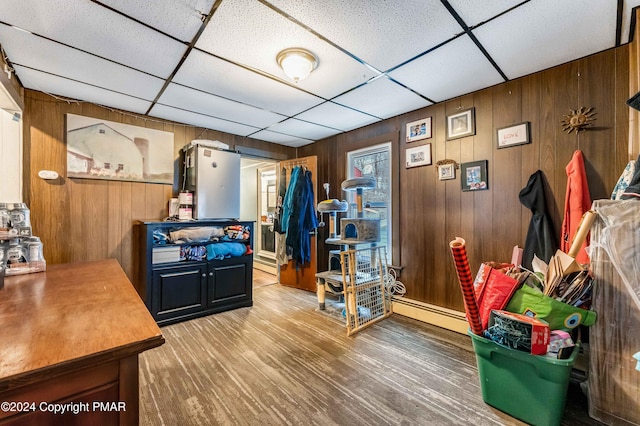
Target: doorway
(257,204)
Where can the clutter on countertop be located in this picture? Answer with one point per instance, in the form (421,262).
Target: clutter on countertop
(20,251)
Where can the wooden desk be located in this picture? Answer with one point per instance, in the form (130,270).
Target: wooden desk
(70,340)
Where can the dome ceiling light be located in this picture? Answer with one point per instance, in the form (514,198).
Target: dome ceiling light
(297,63)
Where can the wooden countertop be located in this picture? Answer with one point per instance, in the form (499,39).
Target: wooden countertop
(82,314)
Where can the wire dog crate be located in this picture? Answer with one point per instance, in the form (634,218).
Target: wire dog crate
(366,298)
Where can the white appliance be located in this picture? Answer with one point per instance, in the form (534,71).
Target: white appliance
(213,176)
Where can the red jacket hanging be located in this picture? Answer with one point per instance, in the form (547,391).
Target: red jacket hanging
(576,203)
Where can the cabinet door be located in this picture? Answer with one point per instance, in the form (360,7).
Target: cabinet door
(179,290)
(230,280)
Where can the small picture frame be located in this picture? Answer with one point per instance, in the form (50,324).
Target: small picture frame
(447,171)
(473,176)
(418,156)
(461,124)
(517,134)
(418,130)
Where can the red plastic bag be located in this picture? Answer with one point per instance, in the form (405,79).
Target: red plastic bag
(493,289)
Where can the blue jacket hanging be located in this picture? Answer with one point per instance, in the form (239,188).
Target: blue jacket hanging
(302,217)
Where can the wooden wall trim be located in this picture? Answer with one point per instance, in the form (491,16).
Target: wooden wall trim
(634,87)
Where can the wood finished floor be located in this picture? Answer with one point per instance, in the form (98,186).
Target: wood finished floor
(284,362)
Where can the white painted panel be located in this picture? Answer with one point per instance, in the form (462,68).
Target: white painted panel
(200,120)
(382,33)
(213,75)
(256,42)
(10,158)
(455,69)
(280,138)
(79,91)
(336,116)
(181,19)
(96,29)
(382,98)
(39,53)
(215,106)
(304,129)
(473,12)
(545,33)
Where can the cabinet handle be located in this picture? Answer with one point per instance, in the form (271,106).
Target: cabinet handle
(204,275)
(210,274)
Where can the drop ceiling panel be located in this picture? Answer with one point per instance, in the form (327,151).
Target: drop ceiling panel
(382,98)
(98,30)
(280,138)
(36,80)
(44,55)
(304,129)
(474,12)
(627,12)
(266,34)
(222,78)
(199,120)
(215,106)
(544,33)
(382,33)
(454,69)
(336,116)
(180,19)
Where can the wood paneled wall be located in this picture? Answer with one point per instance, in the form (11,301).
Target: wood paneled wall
(431,213)
(86,219)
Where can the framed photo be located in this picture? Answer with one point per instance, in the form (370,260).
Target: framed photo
(447,171)
(420,129)
(101,149)
(461,124)
(473,176)
(518,134)
(418,156)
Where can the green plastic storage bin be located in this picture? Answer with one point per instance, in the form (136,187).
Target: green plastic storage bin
(532,388)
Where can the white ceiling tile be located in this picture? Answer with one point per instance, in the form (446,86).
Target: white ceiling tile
(200,120)
(474,12)
(544,33)
(41,54)
(454,69)
(267,34)
(627,10)
(336,116)
(73,90)
(215,106)
(180,19)
(280,138)
(304,129)
(213,75)
(382,33)
(382,98)
(98,30)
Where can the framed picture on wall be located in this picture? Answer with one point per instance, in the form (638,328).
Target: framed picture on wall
(418,156)
(418,130)
(461,124)
(517,134)
(473,176)
(447,171)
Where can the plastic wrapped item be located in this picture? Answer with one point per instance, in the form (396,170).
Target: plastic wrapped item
(620,238)
(614,382)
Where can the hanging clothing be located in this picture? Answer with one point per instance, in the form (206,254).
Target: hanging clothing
(577,201)
(541,238)
(288,199)
(282,190)
(302,218)
(624,180)
(633,190)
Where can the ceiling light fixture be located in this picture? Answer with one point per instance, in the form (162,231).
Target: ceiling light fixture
(297,63)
